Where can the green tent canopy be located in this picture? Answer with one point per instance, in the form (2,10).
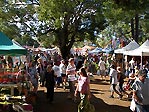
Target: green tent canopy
(8,47)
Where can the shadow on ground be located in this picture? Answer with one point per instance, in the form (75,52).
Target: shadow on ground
(62,104)
(101,82)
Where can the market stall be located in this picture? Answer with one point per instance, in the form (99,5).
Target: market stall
(95,51)
(10,84)
(131,46)
(142,51)
(119,53)
(8,47)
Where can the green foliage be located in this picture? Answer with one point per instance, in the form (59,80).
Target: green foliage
(26,40)
(137,5)
(47,40)
(76,15)
(71,21)
(63,23)
(119,14)
(17,20)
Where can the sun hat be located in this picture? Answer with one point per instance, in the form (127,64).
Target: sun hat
(118,68)
(71,59)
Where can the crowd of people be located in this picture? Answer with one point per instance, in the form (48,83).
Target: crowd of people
(53,71)
(137,84)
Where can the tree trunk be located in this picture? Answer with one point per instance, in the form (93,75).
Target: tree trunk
(65,52)
(132,28)
(136,27)
(64,44)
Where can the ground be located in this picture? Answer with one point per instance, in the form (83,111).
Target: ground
(100,99)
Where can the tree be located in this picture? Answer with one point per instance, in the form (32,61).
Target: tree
(70,21)
(5,22)
(129,12)
(18,20)
(73,21)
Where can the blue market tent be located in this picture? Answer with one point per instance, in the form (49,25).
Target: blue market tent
(8,47)
(95,51)
(108,50)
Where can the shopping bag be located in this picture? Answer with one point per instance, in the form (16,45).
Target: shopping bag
(88,107)
(132,105)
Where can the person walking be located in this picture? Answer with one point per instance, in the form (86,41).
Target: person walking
(141,92)
(121,77)
(71,76)
(114,81)
(50,83)
(83,88)
(33,75)
(62,67)
(132,65)
(102,68)
(41,71)
(57,74)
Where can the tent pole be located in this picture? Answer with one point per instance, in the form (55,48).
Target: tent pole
(141,60)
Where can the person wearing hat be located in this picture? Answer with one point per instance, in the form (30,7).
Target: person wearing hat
(141,92)
(71,76)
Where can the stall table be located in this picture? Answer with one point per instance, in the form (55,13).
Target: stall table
(11,86)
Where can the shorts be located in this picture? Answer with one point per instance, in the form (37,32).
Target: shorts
(113,87)
(59,80)
(63,75)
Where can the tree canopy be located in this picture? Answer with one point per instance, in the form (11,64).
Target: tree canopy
(65,22)
(132,13)
(70,21)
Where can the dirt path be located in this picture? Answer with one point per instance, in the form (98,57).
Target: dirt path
(100,99)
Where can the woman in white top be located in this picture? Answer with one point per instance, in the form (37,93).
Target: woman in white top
(102,68)
(62,67)
(114,81)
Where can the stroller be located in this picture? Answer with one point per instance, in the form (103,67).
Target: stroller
(130,81)
(128,85)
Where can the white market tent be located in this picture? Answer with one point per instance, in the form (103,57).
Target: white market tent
(131,46)
(52,50)
(143,50)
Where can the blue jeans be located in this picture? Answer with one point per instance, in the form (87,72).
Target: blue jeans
(142,108)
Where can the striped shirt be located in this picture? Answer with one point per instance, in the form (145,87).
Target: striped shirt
(71,72)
